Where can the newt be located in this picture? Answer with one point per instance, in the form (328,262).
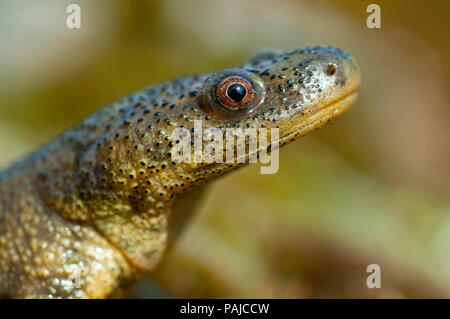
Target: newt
(106,197)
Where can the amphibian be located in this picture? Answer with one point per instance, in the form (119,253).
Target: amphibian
(105,197)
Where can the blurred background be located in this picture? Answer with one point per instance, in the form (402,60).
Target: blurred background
(372,188)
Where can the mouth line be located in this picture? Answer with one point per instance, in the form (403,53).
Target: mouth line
(353,91)
(320,117)
(301,128)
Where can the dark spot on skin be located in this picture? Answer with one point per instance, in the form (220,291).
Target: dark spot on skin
(341,78)
(330,69)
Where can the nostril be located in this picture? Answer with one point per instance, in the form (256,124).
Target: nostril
(330,69)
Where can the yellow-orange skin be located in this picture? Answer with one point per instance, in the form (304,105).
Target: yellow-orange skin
(105,196)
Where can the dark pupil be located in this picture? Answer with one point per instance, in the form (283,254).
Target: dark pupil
(237,92)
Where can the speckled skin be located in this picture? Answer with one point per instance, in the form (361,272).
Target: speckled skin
(100,196)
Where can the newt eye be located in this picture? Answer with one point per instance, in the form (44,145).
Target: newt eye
(231,93)
(235,92)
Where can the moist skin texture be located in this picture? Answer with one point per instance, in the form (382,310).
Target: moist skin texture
(106,196)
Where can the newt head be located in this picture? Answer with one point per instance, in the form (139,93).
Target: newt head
(296,92)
